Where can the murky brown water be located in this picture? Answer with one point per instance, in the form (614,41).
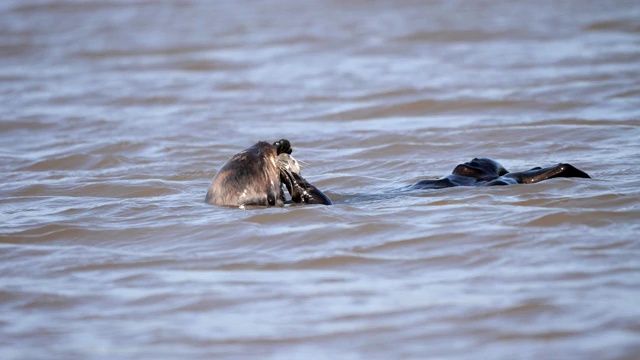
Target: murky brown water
(116,115)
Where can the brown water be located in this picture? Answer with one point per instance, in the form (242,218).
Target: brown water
(116,115)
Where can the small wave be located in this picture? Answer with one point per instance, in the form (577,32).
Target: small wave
(77,162)
(624,25)
(44,233)
(66,7)
(592,219)
(323,262)
(142,52)
(569,122)
(453,36)
(427,107)
(25,124)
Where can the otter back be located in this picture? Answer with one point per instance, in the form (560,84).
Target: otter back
(251,177)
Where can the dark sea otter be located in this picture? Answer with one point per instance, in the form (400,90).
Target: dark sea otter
(255,177)
(488,172)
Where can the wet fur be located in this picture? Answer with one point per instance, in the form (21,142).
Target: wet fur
(303,192)
(488,172)
(251,177)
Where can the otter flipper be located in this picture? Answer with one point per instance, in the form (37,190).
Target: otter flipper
(538,174)
(302,191)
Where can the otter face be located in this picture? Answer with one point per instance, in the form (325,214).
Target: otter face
(287,163)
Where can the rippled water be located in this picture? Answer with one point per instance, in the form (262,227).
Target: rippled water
(116,115)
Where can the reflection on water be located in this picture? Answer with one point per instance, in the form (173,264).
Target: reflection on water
(116,115)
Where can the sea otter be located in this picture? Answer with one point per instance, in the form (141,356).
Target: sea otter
(255,177)
(488,172)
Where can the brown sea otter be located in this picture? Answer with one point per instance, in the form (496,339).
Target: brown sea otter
(255,177)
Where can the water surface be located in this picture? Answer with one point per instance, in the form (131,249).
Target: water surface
(117,114)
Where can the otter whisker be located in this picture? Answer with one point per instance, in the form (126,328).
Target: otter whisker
(302,163)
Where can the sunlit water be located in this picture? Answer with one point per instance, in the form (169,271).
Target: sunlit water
(117,114)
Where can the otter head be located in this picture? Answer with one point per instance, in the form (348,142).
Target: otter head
(286,162)
(283,146)
(482,168)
